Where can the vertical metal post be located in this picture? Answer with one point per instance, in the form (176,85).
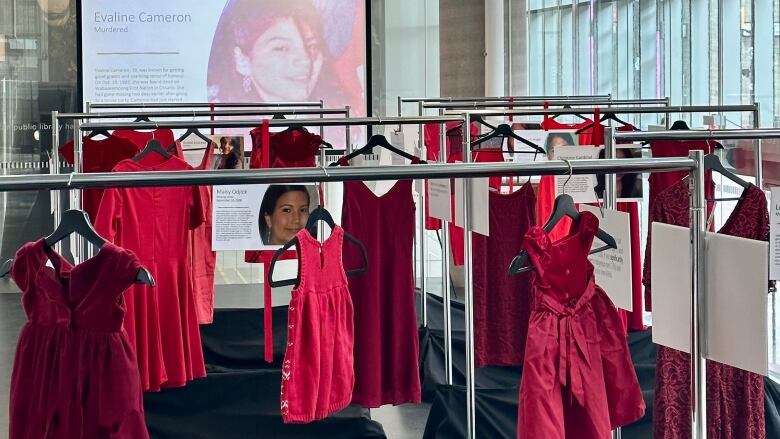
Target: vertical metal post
(610,198)
(349,138)
(698,300)
(76,246)
(758,148)
(87,107)
(54,168)
(423,244)
(468,287)
(400,105)
(445,272)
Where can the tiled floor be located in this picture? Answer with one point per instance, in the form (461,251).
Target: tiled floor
(401,422)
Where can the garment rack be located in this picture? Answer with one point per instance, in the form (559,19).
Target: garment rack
(694,164)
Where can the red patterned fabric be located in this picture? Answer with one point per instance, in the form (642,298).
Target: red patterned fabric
(317,371)
(674,148)
(155,223)
(75,374)
(578,379)
(735,398)
(99,156)
(502,304)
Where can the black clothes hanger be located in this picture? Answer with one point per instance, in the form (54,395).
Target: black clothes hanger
(380,141)
(77,221)
(504,130)
(99,132)
(142,119)
(153,145)
(197,133)
(575,114)
(679,125)
(318,214)
(564,206)
(481,121)
(607,116)
(712,163)
(278,116)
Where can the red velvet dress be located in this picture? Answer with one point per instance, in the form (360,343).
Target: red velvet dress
(735,398)
(141,138)
(502,304)
(578,380)
(75,374)
(156,223)
(386,338)
(674,148)
(317,372)
(99,156)
(204,259)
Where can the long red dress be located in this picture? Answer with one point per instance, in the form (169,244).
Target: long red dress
(75,374)
(317,372)
(502,304)
(156,223)
(204,259)
(99,156)
(735,398)
(386,338)
(578,380)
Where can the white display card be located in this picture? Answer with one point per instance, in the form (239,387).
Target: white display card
(234,217)
(440,199)
(737,302)
(580,187)
(479,205)
(671,285)
(613,266)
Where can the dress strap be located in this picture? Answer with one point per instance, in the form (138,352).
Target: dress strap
(538,245)
(589,225)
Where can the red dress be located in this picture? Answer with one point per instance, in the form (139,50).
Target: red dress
(735,398)
(141,138)
(75,374)
(317,372)
(502,304)
(675,148)
(156,223)
(386,339)
(99,156)
(204,259)
(578,380)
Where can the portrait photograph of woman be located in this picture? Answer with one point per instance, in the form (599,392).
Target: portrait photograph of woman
(291,50)
(284,211)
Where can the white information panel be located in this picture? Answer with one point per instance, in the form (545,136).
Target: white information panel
(479,205)
(670,278)
(774,234)
(613,266)
(580,187)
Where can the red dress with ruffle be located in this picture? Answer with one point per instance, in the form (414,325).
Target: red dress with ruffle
(75,374)
(578,380)
(156,224)
(735,398)
(317,371)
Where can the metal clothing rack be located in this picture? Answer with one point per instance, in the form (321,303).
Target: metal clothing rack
(542,102)
(104,105)
(463,170)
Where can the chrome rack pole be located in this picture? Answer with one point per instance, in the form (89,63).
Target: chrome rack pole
(468,288)
(698,299)
(110,105)
(76,241)
(445,272)
(758,147)
(610,201)
(54,168)
(423,244)
(348,146)
(400,105)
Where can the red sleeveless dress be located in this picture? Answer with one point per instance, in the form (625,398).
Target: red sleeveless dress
(317,372)
(578,380)
(75,374)
(386,338)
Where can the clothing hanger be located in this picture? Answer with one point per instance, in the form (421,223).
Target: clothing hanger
(575,114)
(77,221)
(302,129)
(504,130)
(712,163)
(564,207)
(142,119)
(607,116)
(679,125)
(318,214)
(380,141)
(152,145)
(99,132)
(196,132)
